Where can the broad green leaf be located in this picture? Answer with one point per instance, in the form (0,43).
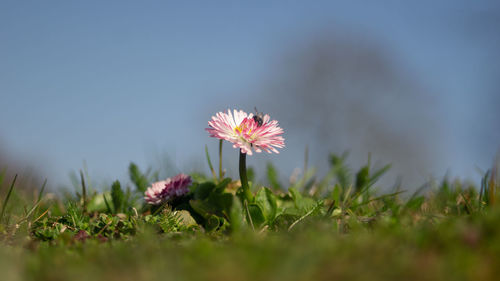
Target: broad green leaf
(202,208)
(222,202)
(292,211)
(237,219)
(203,190)
(222,185)
(266,199)
(256,215)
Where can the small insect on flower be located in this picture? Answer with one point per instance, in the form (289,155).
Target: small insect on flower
(163,191)
(247,131)
(258,117)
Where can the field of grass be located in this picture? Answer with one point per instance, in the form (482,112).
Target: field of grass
(330,228)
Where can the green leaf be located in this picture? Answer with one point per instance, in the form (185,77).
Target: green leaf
(256,215)
(222,202)
(373,180)
(237,219)
(304,204)
(212,223)
(342,171)
(336,193)
(362,178)
(117,196)
(203,190)
(137,177)
(292,211)
(222,185)
(284,220)
(266,199)
(107,203)
(202,208)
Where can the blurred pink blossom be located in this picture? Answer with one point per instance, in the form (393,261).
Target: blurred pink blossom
(162,191)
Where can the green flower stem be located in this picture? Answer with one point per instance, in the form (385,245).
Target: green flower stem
(245,189)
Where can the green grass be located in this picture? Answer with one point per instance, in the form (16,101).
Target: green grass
(329,228)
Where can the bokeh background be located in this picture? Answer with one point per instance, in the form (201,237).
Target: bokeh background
(109,82)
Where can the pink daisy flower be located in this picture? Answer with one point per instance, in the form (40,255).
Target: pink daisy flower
(247,131)
(163,191)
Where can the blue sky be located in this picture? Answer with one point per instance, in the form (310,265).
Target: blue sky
(111,82)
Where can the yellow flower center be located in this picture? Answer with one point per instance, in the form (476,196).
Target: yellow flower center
(240,129)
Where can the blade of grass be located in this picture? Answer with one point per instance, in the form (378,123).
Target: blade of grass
(107,203)
(37,202)
(7,198)
(482,192)
(28,213)
(468,206)
(160,208)
(40,195)
(303,217)
(42,189)
(329,212)
(84,192)
(245,203)
(210,163)
(43,214)
(373,180)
